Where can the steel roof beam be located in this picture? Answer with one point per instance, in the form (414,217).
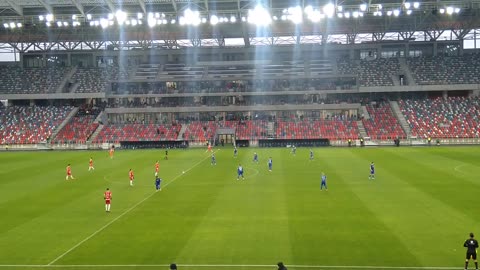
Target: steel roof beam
(79,7)
(174,4)
(16,7)
(47,6)
(110,5)
(142,5)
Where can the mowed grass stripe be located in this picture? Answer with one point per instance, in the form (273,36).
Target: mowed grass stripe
(335,226)
(413,212)
(209,218)
(48,222)
(141,228)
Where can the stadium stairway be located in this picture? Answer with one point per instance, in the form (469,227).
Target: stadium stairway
(406,71)
(361,129)
(66,79)
(95,133)
(62,125)
(401,118)
(99,120)
(271,130)
(181,132)
(364,112)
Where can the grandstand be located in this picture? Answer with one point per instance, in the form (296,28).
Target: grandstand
(323,88)
(341,86)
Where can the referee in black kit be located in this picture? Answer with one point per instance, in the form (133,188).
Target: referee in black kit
(471,244)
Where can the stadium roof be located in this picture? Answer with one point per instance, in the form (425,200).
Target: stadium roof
(28,20)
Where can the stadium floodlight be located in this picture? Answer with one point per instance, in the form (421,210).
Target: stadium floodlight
(329,10)
(442,10)
(259,16)
(244,19)
(163,15)
(450,10)
(409,12)
(295,14)
(389,13)
(457,10)
(92,23)
(59,24)
(283,17)
(315,16)
(74,17)
(190,17)
(150,15)
(139,15)
(355,14)
(407,5)
(75,24)
(164,21)
(347,14)
(308,9)
(275,18)
(49,17)
(48,24)
(204,20)
(151,22)
(127,22)
(41,18)
(103,23)
(96,23)
(363,7)
(65,24)
(12,25)
(110,16)
(396,12)
(339,8)
(121,16)
(380,7)
(213,20)
(233,19)
(5,25)
(133,22)
(360,14)
(19,25)
(340,15)
(173,21)
(89,16)
(416,4)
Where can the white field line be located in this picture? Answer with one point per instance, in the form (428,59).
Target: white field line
(229,265)
(121,215)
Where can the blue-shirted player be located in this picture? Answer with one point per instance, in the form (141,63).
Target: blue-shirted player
(372,171)
(324,182)
(294,150)
(270,164)
(235,152)
(158,180)
(255,157)
(240,172)
(214,161)
(311,154)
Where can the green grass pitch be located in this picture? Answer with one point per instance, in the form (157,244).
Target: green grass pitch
(416,213)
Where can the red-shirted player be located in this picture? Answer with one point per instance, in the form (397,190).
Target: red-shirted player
(90,165)
(209,148)
(157,167)
(112,151)
(69,173)
(107,196)
(131,176)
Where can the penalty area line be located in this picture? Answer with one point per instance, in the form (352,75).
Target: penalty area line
(229,265)
(120,216)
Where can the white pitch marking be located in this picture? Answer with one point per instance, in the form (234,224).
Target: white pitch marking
(457,168)
(121,215)
(227,265)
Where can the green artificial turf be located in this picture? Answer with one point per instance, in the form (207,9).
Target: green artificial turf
(416,213)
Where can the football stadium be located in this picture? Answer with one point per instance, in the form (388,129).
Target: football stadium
(239,134)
